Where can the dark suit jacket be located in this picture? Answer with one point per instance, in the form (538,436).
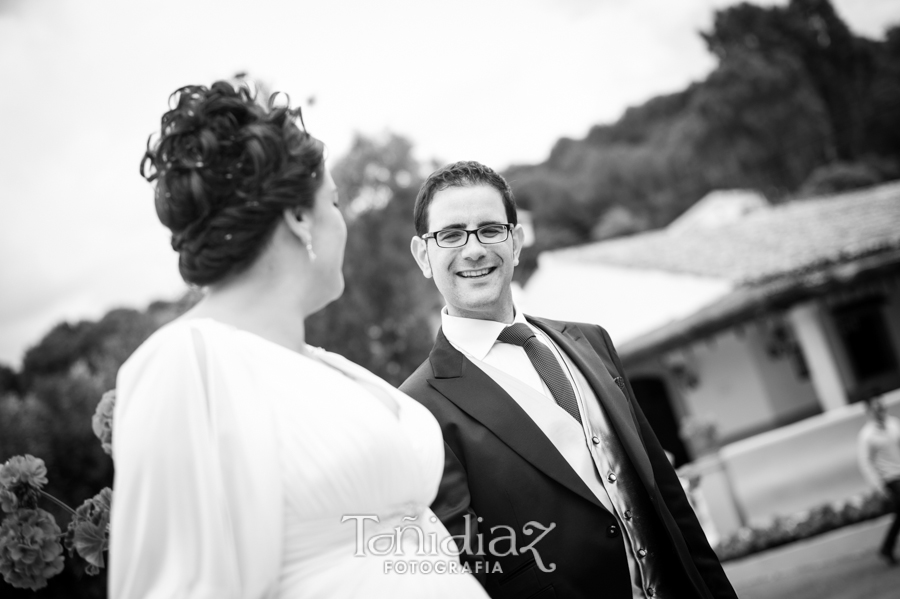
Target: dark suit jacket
(501,470)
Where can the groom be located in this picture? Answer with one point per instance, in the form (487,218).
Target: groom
(554,484)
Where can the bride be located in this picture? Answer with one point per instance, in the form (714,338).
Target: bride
(249,464)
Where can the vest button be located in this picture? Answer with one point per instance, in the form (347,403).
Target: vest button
(612,531)
(595,440)
(642,553)
(620,382)
(651,592)
(611,477)
(627,514)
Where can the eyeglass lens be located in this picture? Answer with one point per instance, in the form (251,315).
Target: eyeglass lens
(459,237)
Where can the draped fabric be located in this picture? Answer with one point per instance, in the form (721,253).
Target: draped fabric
(246,470)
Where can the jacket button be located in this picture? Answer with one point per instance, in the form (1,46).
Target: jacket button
(627,514)
(612,531)
(611,477)
(595,440)
(620,382)
(642,553)
(651,592)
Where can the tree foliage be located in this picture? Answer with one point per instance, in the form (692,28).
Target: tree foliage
(797,103)
(385,320)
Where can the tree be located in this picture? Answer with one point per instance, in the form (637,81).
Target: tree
(841,67)
(763,124)
(794,91)
(385,320)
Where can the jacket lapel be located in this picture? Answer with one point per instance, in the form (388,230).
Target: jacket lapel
(613,399)
(476,393)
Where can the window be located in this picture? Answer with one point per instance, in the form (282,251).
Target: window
(863,330)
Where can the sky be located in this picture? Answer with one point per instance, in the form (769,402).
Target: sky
(83,83)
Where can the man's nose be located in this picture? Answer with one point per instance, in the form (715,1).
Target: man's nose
(473,250)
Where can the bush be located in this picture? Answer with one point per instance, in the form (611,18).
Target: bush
(782,530)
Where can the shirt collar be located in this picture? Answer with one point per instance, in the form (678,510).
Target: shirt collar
(472,336)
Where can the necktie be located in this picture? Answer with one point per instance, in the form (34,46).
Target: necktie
(546,365)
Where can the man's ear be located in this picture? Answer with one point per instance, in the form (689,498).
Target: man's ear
(299,222)
(518,235)
(419,249)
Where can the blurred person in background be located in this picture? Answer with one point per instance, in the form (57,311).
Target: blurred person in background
(240,451)
(879,460)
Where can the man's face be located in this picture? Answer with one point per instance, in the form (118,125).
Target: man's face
(473,279)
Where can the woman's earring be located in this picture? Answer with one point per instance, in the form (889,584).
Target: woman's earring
(309,250)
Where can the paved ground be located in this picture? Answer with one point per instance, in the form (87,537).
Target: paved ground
(839,565)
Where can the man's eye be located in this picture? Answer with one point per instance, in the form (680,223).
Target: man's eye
(492,231)
(449,235)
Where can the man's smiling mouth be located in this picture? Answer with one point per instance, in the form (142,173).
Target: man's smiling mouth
(476,274)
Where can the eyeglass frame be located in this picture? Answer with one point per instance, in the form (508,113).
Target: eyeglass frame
(433,235)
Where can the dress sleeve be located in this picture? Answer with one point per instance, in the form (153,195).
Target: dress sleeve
(179,528)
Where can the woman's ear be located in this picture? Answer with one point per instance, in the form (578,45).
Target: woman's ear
(299,222)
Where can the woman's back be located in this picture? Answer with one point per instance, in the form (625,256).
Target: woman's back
(271,475)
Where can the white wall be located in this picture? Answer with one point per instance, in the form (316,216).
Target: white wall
(789,396)
(626,302)
(800,466)
(730,387)
(745,389)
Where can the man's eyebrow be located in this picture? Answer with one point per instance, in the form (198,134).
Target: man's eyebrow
(483,223)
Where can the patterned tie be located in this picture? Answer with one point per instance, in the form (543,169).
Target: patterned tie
(546,365)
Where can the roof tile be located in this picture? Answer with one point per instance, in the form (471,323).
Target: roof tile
(766,244)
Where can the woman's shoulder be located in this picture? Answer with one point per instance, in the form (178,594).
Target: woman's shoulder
(164,339)
(173,344)
(345,365)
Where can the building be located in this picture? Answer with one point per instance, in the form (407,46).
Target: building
(763,324)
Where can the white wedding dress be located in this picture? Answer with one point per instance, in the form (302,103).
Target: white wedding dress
(246,470)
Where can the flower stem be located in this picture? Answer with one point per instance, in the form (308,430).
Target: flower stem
(58,502)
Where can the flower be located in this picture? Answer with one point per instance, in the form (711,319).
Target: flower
(101,422)
(88,531)
(21,479)
(8,501)
(30,551)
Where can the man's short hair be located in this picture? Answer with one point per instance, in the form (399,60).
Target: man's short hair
(465,173)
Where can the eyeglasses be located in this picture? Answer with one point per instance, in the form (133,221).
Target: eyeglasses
(454,238)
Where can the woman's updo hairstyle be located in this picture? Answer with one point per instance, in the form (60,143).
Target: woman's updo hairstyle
(226,168)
